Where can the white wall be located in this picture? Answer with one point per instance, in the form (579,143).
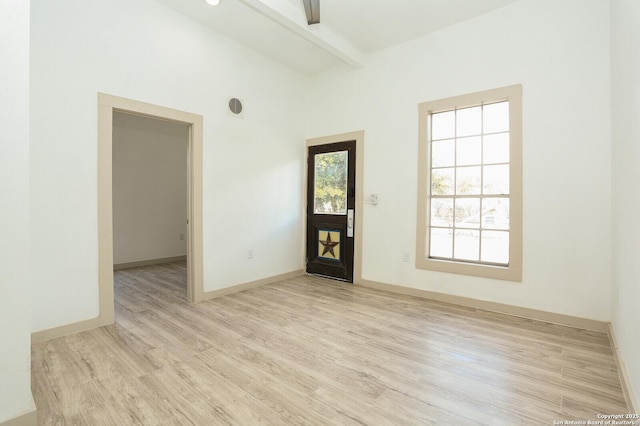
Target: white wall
(15,304)
(142,50)
(625,55)
(149,188)
(559,52)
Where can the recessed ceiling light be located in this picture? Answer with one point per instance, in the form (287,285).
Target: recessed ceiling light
(213,2)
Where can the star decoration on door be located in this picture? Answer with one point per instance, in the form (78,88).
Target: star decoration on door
(329,244)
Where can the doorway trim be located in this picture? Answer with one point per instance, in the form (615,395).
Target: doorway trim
(106,105)
(358,136)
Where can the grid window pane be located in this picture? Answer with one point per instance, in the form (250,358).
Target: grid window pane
(441,243)
(495,148)
(442,212)
(442,181)
(496,180)
(469,121)
(467,245)
(468,180)
(443,153)
(495,118)
(443,125)
(467,213)
(495,247)
(495,213)
(469,151)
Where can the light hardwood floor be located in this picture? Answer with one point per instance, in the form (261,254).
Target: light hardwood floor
(312,351)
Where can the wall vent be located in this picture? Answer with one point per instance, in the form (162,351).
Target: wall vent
(236,107)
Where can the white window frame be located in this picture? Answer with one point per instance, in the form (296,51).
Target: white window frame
(512,271)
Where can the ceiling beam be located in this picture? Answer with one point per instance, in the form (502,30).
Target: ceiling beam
(312,9)
(293,18)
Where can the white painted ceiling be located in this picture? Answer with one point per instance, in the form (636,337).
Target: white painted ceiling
(348,29)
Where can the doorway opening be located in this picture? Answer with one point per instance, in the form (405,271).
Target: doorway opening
(149,190)
(334,206)
(149,172)
(109,105)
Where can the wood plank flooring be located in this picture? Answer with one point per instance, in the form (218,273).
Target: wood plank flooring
(311,351)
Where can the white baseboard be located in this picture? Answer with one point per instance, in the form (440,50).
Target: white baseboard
(29,418)
(249,285)
(68,329)
(633,404)
(148,262)
(561,319)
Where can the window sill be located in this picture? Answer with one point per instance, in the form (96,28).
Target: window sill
(507,273)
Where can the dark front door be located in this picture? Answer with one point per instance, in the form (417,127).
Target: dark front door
(331,192)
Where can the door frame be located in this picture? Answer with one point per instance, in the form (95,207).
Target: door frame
(106,105)
(358,136)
